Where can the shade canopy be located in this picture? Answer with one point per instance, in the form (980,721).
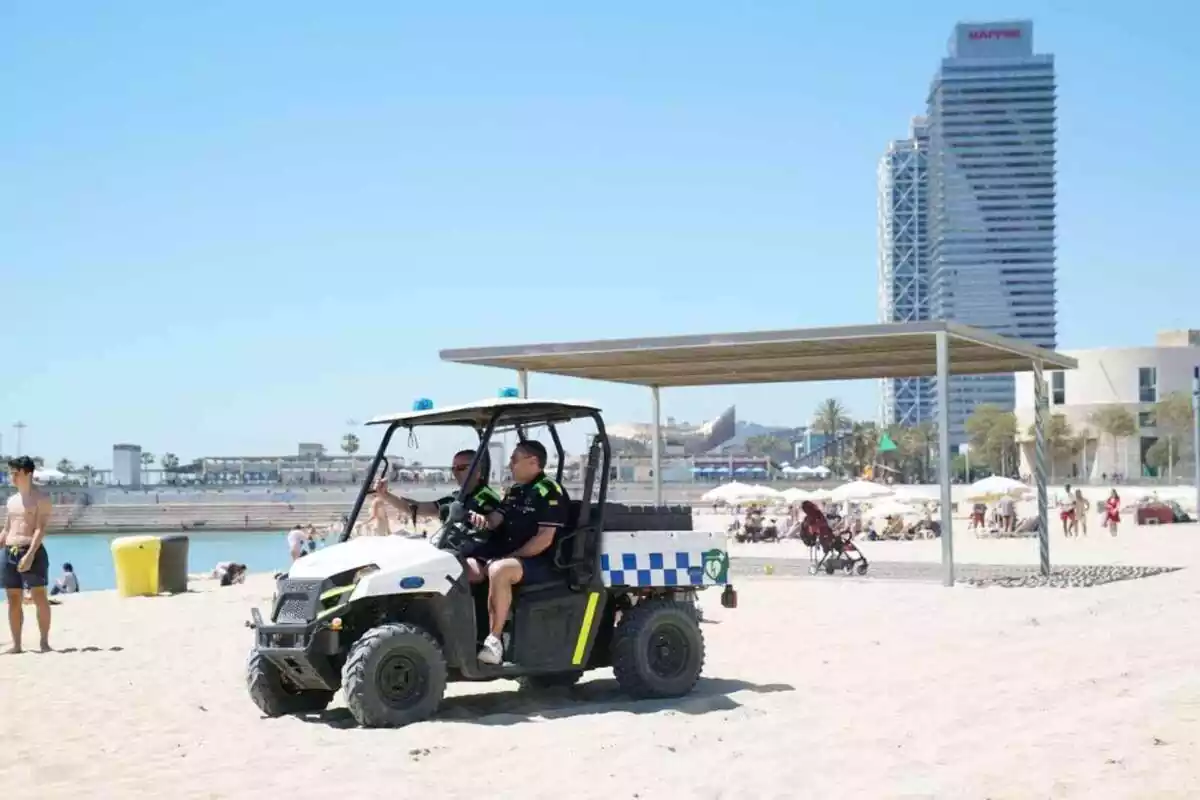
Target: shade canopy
(894,350)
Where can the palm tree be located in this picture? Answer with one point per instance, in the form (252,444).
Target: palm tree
(864,442)
(65,466)
(831,420)
(147,461)
(350,445)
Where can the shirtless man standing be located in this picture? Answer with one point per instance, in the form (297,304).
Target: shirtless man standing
(23,560)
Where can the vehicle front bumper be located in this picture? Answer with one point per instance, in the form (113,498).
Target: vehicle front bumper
(300,642)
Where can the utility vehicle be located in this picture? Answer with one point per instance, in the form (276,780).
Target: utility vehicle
(389,620)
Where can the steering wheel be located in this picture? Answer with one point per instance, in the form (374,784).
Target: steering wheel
(456,535)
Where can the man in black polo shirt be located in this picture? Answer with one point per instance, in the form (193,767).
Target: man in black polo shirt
(481,499)
(534,510)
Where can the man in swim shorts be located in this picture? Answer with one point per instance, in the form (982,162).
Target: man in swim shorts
(23,560)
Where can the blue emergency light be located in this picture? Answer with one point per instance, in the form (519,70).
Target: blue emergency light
(422,404)
(509,391)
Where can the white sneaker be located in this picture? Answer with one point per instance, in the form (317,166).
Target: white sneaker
(492,651)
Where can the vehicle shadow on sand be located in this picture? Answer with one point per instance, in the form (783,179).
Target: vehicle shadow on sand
(592,697)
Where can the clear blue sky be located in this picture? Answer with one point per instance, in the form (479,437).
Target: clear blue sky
(226,227)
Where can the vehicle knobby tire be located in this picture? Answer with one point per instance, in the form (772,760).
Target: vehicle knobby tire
(658,649)
(549,681)
(274,696)
(394,675)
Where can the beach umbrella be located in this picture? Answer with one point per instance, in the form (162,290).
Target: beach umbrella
(794,496)
(889,507)
(995,487)
(857,491)
(726,492)
(764,493)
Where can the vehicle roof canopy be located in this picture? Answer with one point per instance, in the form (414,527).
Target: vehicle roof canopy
(514,411)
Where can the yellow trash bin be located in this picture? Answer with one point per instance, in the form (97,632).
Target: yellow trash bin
(135,559)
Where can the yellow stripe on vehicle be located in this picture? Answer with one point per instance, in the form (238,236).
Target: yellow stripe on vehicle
(336,592)
(589,617)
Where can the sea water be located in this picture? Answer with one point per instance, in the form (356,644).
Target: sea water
(91,553)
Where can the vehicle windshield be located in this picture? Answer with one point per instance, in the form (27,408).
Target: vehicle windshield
(423,470)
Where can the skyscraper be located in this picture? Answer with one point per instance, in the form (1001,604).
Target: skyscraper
(904,263)
(991,188)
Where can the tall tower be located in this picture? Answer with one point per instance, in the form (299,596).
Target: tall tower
(991,112)
(904,264)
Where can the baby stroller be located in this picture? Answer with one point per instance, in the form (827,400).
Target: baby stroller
(828,549)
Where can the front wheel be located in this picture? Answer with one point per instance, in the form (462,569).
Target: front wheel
(274,696)
(658,649)
(394,675)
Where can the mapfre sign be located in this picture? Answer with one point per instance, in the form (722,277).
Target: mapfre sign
(994,33)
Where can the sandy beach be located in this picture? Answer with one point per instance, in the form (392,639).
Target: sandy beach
(814,687)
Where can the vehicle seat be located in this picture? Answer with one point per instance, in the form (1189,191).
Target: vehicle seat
(576,549)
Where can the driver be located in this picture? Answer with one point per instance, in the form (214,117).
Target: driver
(481,498)
(534,510)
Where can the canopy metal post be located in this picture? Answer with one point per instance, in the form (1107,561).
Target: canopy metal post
(523,382)
(944,466)
(1196,432)
(655,448)
(1040,408)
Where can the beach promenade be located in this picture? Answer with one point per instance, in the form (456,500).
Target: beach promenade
(815,687)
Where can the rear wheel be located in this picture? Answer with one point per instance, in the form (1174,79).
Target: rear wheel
(658,649)
(394,675)
(274,696)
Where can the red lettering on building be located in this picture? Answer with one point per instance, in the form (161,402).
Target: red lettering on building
(997,33)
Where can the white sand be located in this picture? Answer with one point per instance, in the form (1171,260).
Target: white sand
(822,687)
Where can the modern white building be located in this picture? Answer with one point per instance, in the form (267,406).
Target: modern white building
(991,188)
(904,264)
(1134,378)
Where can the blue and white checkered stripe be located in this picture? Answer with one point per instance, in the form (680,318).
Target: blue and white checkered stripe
(653,569)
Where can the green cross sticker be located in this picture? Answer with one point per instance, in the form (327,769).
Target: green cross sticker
(716,566)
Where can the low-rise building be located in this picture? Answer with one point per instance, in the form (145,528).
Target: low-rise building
(1133,378)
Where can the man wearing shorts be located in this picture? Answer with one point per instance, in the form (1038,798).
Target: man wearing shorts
(522,550)
(24,560)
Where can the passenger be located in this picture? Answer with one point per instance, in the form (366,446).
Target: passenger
(481,499)
(534,510)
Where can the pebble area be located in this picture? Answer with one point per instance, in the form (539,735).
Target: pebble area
(1069,577)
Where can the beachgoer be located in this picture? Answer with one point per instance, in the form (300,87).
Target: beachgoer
(1066,512)
(521,551)
(234,573)
(1080,507)
(1008,513)
(26,564)
(295,540)
(1112,512)
(68,582)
